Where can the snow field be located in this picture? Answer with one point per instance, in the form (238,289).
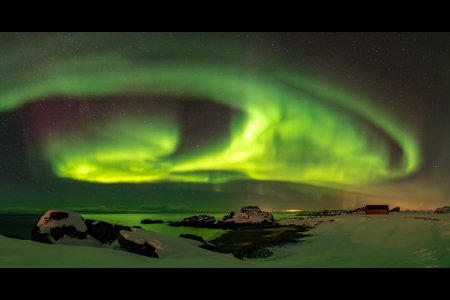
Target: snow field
(398,240)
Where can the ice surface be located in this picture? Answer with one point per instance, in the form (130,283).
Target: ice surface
(396,240)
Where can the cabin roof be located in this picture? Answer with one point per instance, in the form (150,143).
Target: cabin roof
(369,207)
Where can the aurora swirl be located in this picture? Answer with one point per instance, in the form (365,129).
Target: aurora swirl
(283,125)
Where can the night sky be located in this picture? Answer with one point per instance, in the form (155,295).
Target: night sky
(212,122)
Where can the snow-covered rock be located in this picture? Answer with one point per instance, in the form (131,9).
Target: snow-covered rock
(136,240)
(441,210)
(62,227)
(69,228)
(248,215)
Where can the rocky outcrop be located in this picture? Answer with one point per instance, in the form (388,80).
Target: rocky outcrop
(203,221)
(101,231)
(69,228)
(130,239)
(148,221)
(309,221)
(247,217)
(324,213)
(441,210)
(360,210)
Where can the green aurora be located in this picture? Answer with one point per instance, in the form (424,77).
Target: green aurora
(122,100)
(290,128)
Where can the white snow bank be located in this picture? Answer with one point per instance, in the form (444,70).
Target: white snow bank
(415,239)
(402,239)
(178,253)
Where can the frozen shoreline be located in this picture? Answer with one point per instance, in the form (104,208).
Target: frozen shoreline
(405,239)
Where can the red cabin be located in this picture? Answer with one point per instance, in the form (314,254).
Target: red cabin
(376,210)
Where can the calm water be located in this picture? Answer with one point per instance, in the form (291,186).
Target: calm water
(135,219)
(21,225)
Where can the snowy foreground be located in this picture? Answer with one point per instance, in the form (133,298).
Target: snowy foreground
(405,239)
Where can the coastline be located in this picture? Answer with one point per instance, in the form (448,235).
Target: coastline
(396,240)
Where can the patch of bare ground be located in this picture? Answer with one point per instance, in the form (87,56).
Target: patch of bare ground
(255,243)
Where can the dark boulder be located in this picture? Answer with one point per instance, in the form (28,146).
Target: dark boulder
(148,221)
(135,245)
(70,231)
(203,221)
(37,236)
(101,231)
